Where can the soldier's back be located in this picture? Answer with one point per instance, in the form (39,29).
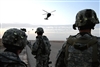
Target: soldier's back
(9,59)
(83,51)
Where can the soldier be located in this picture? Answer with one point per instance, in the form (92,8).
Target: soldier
(82,49)
(41,49)
(14,40)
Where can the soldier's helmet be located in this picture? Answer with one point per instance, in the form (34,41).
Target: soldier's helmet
(86,18)
(14,38)
(39,30)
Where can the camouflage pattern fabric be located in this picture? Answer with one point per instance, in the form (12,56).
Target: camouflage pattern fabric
(9,59)
(14,37)
(99,50)
(60,57)
(41,58)
(42,61)
(86,16)
(39,29)
(81,58)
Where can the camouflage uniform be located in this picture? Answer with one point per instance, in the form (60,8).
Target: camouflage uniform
(82,49)
(10,59)
(13,39)
(42,56)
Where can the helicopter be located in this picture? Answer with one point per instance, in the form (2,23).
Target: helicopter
(48,14)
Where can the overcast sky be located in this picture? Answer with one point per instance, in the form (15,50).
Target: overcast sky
(30,11)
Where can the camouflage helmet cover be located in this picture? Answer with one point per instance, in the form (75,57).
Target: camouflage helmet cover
(86,17)
(39,29)
(14,37)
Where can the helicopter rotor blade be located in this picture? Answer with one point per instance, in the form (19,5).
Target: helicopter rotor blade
(53,11)
(45,11)
(44,14)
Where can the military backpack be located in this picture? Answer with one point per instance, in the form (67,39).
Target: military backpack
(82,50)
(41,46)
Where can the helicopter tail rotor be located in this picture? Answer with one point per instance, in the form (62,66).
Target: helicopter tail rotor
(46,18)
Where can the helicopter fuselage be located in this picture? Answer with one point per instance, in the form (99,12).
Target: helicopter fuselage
(49,14)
